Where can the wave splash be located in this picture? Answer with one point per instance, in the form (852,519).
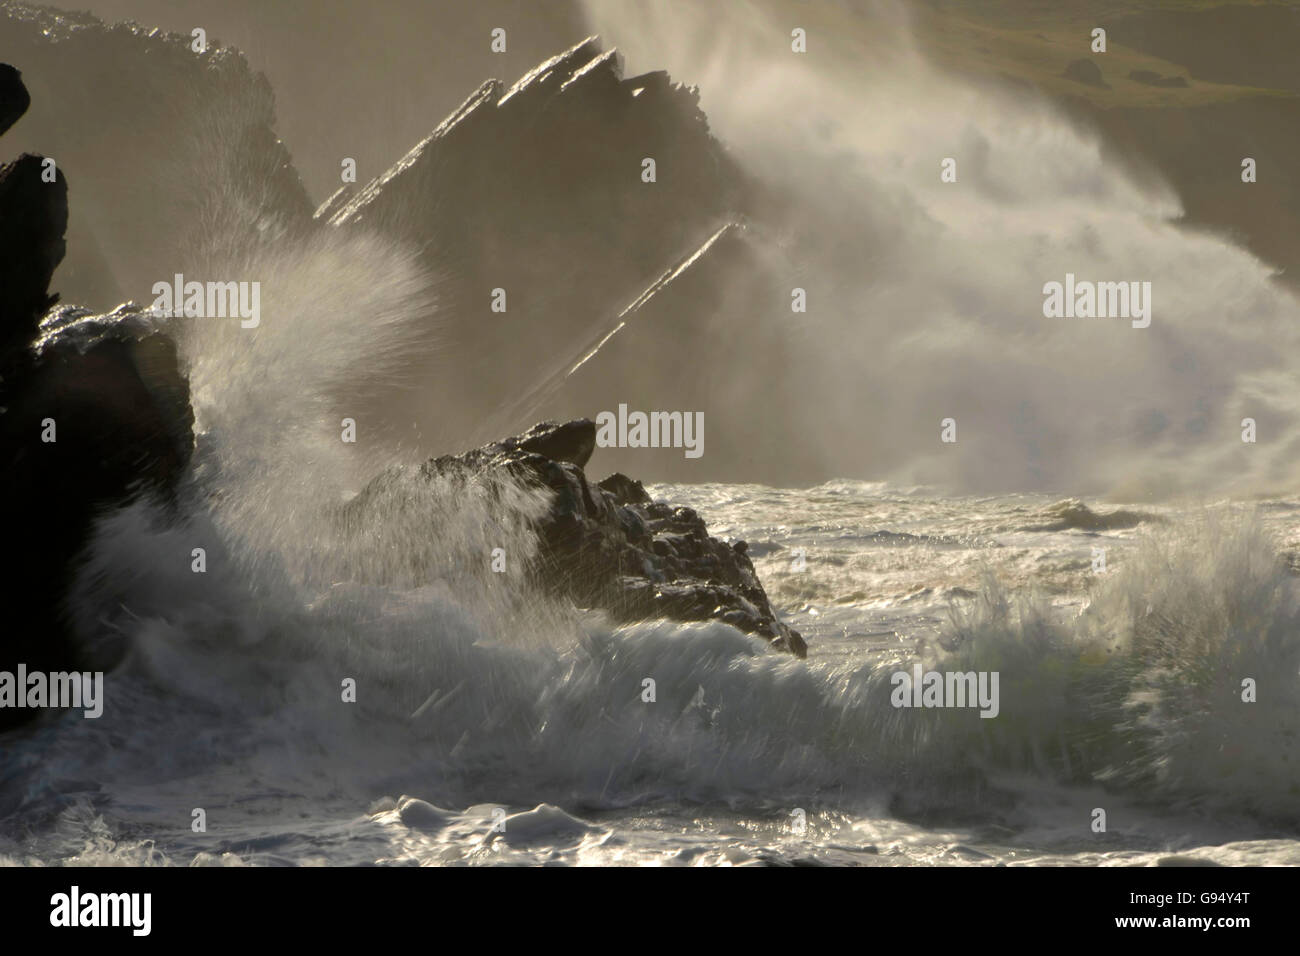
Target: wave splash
(472,686)
(926,298)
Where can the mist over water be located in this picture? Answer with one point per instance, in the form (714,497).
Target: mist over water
(925,299)
(925,303)
(475,687)
(339,313)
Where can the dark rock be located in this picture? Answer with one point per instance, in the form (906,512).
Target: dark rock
(14,98)
(661,353)
(609,546)
(1085,71)
(173,153)
(111,390)
(572,442)
(548,204)
(123,427)
(625,490)
(33,219)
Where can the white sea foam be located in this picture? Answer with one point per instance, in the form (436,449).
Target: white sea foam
(476,695)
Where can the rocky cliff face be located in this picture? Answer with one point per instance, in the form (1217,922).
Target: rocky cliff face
(712,336)
(538,190)
(93,410)
(169,148)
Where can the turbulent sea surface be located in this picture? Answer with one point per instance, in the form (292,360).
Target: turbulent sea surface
(492,725)
(493,736)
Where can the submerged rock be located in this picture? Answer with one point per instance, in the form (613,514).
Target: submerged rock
(608,545)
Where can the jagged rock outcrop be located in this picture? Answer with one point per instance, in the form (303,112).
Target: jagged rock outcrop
(93,410)
(538,190)
(609,546)
(535,189)
(14,98)
(713,335)
(33,219)
(174,152)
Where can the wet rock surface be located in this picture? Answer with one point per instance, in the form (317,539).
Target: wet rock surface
(95,408)
(608,545)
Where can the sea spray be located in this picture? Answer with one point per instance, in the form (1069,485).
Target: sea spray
(1152,689)
(924,296)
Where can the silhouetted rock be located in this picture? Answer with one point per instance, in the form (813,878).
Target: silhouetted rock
(174,155)
(626,491)
(94,410)
(571,443)
(33,219)
(14,98)
(537,190)
(109,391)
(711,335)
(609,546)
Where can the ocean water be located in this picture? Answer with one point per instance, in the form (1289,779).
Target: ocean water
(492,725)
(508,730)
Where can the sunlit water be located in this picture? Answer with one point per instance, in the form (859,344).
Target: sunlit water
(533,743)
(494,725)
